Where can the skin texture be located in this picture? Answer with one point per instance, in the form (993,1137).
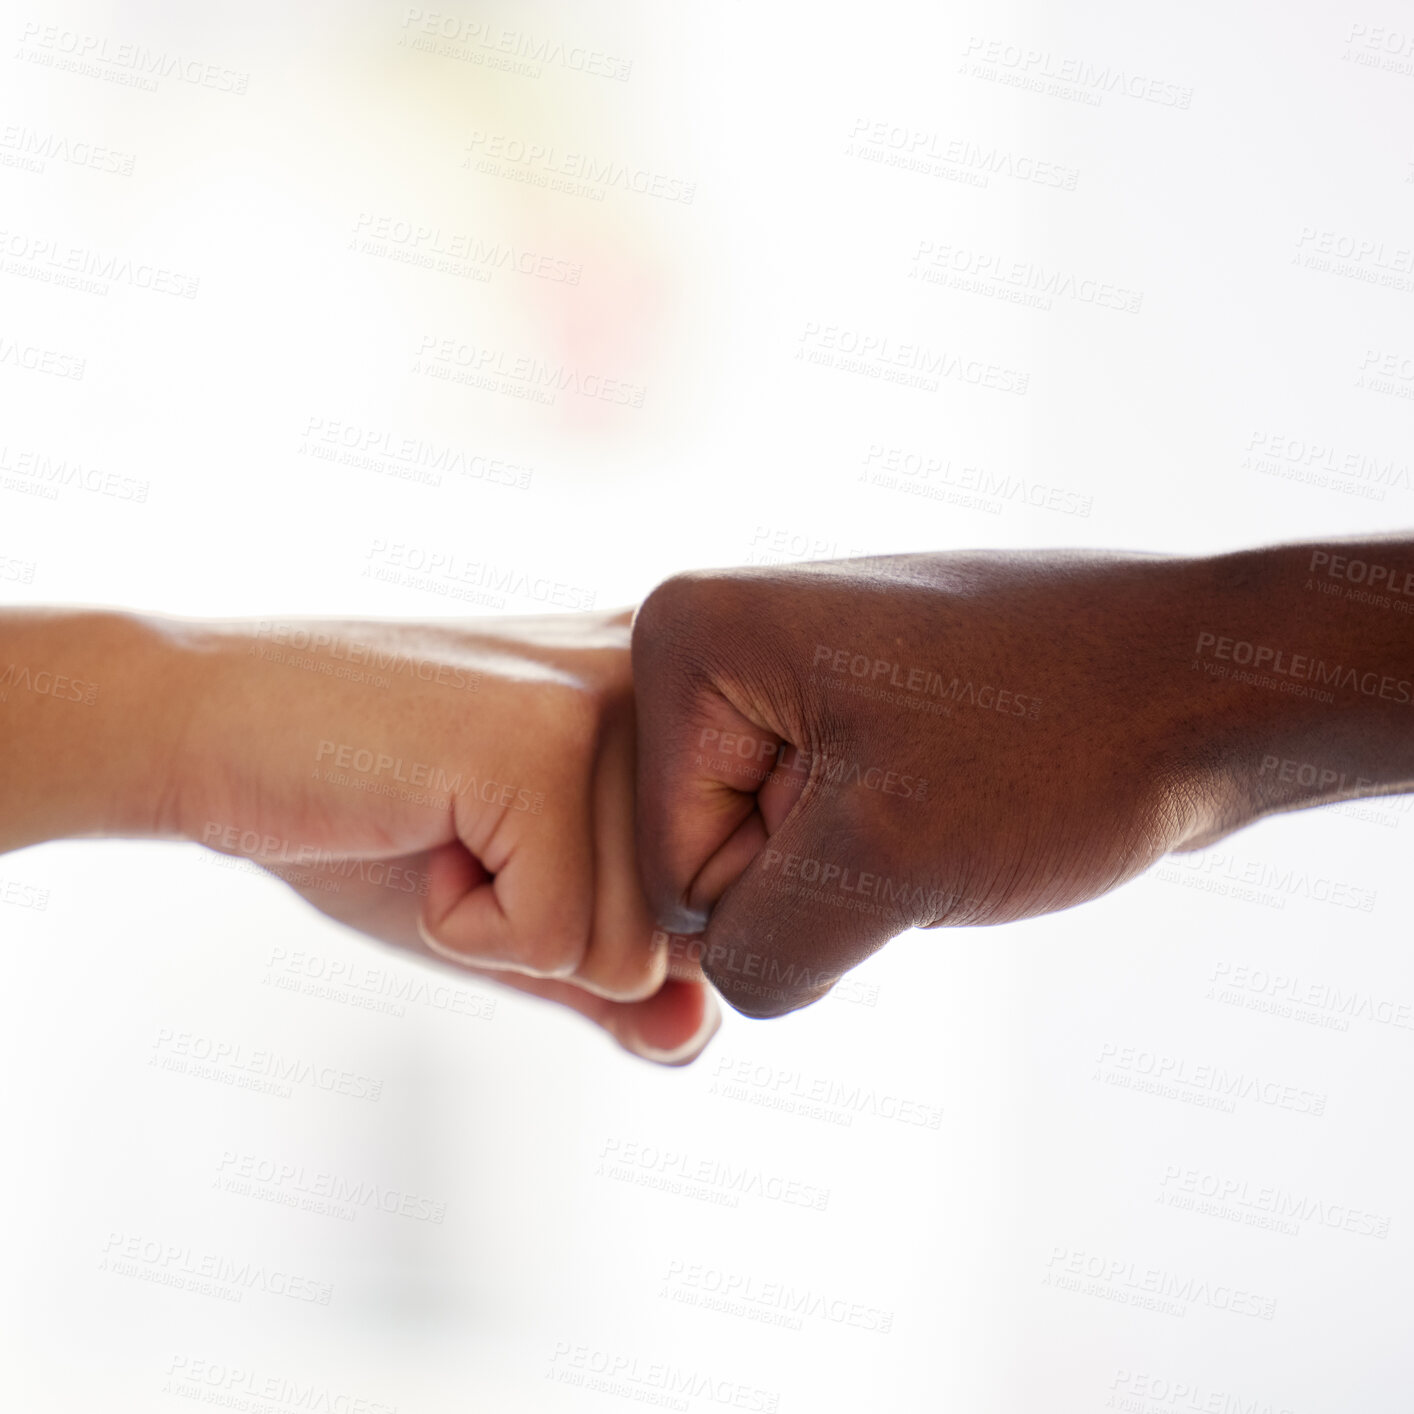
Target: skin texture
(833,753)
(474,804)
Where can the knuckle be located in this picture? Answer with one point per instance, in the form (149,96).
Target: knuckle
(681,619)
(669,603)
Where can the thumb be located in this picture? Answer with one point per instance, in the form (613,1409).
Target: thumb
(801,914)
(717,769)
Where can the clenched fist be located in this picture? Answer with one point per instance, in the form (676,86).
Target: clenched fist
(461,789)
(832,753)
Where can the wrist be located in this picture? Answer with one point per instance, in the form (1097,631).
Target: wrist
(151,698)
(1298,695)
(93,705)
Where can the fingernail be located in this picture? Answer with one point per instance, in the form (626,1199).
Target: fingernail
(689,1050)
(461,958)
(683,917)
(487,964)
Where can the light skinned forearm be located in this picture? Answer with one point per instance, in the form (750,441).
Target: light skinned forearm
(92,703)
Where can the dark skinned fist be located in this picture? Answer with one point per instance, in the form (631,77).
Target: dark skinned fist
(833,753)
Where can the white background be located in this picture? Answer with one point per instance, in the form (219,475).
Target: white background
(1258,202)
